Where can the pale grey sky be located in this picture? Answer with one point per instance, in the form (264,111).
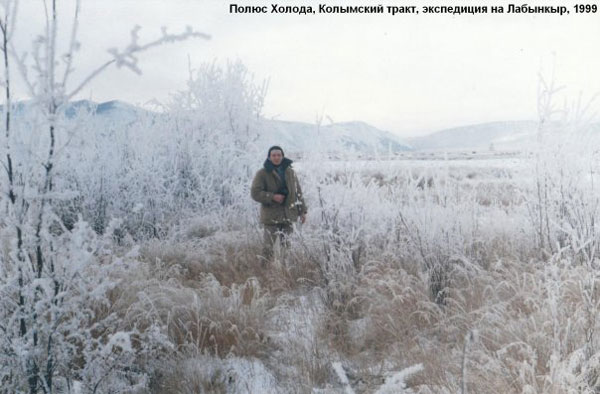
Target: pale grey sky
(408,74)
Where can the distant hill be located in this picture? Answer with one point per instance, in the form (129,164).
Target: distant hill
(337,137)
(345,137)
(480,136)
(357,137)
(114,111)
(511,135)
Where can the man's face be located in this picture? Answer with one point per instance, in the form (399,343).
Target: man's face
(276,156)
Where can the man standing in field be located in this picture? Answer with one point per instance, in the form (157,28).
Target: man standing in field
(276,188)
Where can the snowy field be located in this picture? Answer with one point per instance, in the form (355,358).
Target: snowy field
(410,276)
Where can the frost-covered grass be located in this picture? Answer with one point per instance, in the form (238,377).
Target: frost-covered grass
(386,280)
(397,265)
(400,261)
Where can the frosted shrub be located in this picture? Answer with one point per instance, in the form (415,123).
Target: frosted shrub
(196,155)
(220,108)
(59,330)
(55,280)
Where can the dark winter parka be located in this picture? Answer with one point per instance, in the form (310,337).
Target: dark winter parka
(266,183)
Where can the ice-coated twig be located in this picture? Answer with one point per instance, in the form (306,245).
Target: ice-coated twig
(339,370)
(127,58)
(395,384)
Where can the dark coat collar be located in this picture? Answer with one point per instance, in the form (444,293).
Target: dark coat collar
(285,163)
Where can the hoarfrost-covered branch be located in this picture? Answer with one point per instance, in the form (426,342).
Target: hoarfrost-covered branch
(127,57)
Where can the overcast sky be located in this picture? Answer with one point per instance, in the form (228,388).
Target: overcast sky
(408,74)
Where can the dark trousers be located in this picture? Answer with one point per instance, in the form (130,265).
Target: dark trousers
(273,234)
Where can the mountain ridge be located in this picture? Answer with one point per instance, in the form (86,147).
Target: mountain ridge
(347,136)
